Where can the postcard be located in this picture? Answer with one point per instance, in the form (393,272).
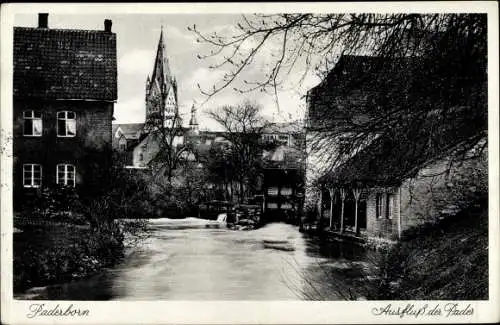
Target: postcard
(250,163)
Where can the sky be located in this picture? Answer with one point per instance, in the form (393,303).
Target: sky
(137,39)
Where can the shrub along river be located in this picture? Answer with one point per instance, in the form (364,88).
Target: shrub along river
(191,259)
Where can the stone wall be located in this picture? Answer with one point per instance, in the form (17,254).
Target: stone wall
(442,190)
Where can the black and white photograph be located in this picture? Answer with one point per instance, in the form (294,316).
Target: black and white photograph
(262,154)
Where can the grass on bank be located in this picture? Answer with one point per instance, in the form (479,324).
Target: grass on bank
(447,261)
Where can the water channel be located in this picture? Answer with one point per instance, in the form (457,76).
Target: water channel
(185,260)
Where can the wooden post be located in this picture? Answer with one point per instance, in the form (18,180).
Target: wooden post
(357,193)
(331,190)
(320,204)
(342,197)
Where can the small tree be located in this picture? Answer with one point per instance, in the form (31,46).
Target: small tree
(167,136)
(221,171)
(243,126)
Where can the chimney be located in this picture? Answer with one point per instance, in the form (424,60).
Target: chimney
(43,20)
(107,25)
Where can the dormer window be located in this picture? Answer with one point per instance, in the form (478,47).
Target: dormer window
(66,124)
(32,124)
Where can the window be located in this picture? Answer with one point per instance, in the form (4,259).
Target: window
(283,139)
(286,191)
(272,206)
(32,175)
(272,191)
(65,175)
(32,123)
(379,203)
(66,124)
(390,206)
(122,144)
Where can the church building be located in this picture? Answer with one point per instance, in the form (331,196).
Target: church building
(161,91)
(138,143)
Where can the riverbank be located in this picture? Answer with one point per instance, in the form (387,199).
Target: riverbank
(50,253)
(447,261)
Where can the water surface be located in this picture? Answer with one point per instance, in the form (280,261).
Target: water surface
(185,260)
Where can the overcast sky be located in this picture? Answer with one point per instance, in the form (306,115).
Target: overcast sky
(137,39)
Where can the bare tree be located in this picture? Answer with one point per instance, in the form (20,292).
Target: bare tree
(220,171)
(243,126)
(170,146)
(430,83)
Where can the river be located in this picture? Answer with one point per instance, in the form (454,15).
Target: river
(185,260)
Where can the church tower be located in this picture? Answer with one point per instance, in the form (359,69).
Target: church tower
(193,122)
(161,91)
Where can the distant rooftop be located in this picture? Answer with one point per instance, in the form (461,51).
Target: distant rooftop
(129,130)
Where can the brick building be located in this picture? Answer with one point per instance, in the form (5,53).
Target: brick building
(65,87)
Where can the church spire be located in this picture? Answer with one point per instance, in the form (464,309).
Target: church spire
(161,70)
(193,123)
(161,88)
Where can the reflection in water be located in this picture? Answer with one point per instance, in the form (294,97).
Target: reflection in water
(186,260)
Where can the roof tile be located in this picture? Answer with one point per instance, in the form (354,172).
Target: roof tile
(65,64)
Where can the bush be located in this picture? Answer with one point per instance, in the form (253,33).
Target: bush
(48,255)
(59,204)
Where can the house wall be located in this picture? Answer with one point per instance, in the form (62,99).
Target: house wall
(148,148)
(440,190)
(89,150)
(276,183)
(382,226)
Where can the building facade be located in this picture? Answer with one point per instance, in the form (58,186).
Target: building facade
(283,173)
(65,87)
(386,185)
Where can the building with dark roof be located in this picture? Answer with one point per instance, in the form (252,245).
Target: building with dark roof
(64,90)
(390,183)
(283,171)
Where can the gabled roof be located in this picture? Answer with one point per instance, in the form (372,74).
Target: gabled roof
(65,64)
(284,157)
(384,162)
(390,160)
(129,130)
